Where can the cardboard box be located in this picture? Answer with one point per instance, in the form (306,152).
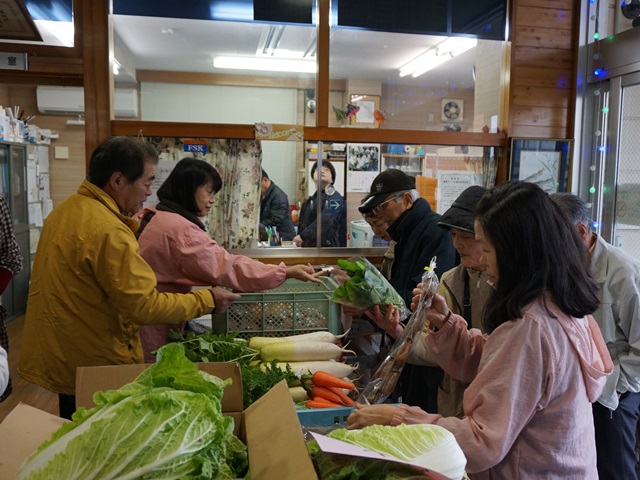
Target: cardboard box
(269,427)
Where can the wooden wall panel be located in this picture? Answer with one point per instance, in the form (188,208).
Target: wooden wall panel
(543,68)
(542,37)
(552,18)
(542,57)
(539,116)
(540,97)
(552,77)
(535,131)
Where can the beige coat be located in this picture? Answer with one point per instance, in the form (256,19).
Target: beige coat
(451,287)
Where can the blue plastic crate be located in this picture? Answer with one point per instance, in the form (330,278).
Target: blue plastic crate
(324,417)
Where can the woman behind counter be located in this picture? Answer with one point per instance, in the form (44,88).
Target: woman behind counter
(527,411)
(175,244)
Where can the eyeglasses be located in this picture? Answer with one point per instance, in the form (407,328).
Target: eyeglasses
(379,208)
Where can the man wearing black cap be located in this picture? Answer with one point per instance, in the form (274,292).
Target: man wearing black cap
(414,226)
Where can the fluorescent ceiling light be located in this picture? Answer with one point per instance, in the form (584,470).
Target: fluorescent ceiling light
(62,31)
(265,64)
(437,55)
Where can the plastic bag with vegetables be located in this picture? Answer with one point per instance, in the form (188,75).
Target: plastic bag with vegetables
(367,287)
(387,374)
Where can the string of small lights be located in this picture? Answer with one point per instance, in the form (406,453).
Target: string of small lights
(601,109)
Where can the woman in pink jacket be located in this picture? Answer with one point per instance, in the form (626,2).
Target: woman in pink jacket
(527,410)
(175,244)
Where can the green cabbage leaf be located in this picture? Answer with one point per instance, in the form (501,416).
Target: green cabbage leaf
(167,424)
(428,446)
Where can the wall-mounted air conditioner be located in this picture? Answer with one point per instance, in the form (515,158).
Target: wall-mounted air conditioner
(70,101)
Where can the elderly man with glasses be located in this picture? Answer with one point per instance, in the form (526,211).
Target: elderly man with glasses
(413,225)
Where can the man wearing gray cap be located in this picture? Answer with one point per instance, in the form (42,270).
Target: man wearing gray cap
(414,226)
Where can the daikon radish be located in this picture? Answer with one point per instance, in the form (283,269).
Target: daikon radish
(301,351)
(298,394)
(338,369)
(258,342)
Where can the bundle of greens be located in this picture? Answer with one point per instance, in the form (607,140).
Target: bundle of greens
(209,347)
(366,287)
(168,423)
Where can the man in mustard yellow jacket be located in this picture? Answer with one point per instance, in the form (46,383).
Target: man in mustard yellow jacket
(90,288)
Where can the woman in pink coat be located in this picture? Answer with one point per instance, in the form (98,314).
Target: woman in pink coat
(527,410)
(175,244)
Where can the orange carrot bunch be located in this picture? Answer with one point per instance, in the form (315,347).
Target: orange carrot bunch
(327,391)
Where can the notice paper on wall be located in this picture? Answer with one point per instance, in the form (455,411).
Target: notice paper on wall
(47,206)
(32,181)
(35,214)
(451,184)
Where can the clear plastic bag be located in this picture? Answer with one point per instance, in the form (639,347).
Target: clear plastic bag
(387,374)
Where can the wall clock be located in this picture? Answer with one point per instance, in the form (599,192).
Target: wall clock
(452,110)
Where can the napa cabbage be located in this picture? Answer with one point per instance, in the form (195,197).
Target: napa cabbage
(429,446)
(167,424)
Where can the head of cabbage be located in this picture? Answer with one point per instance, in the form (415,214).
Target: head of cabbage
(428,446)
(166,424)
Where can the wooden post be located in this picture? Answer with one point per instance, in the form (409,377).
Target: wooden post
(97,54)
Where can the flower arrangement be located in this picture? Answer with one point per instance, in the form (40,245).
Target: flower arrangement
(363,158)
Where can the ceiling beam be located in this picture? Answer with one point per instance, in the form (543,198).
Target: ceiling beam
(312,134)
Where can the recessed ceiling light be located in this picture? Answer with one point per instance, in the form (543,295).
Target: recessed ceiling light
(268,64)
(167,31)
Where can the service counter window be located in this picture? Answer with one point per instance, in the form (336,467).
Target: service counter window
(307,203)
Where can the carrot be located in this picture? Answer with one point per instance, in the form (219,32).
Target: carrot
(316,404)
(328,402)
(324,379)
(325,393)
(344,399)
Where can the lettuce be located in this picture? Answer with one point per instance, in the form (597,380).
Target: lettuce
(167,424)
(366,287)
(428,446)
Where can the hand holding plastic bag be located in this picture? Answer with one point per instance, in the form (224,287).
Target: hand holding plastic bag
(386,376)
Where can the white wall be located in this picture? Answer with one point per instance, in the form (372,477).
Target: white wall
(168,102)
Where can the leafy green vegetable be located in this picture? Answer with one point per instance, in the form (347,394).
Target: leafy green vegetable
(428,446)
(168,423)
(209,347)
(345,467)
(366,287)
(255,382)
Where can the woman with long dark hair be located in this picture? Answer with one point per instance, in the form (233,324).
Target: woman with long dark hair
(533,377)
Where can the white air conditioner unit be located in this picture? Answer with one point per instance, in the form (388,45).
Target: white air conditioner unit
(70,101)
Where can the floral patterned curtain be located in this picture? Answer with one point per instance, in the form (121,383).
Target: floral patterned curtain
(233,220)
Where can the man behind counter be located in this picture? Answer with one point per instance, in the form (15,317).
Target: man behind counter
(274,208)
(90,288)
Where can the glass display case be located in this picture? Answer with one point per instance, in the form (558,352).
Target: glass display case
(13,186)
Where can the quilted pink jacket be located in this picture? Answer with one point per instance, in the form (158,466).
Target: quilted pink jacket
(528,409)
(183,256)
